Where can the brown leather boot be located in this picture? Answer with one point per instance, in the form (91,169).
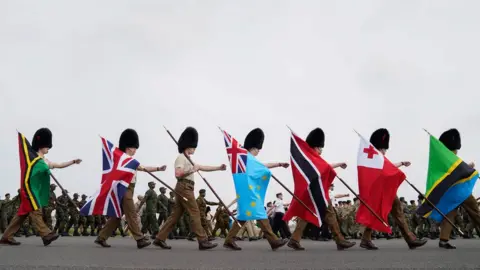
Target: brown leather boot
(231,245)
(205,244)
(102,243)
(295,245)
(12,242)
(49,238)
(278,243)
(141,243)
(162,244)
(344,244)
(368,245)
(417,243)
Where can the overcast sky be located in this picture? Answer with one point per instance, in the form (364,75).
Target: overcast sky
(97,67)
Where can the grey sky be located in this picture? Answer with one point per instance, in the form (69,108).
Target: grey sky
(98,67)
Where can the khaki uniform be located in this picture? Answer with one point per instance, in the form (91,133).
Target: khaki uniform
(202,206)
(330,218)
(471,207)
(130,215)
(184,187)
(399,219)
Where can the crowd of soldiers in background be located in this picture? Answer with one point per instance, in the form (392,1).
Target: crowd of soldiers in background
(153,210)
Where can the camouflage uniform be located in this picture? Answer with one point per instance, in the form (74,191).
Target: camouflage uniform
(222,220)
(82,221)
(171,204)
(62,214)
(47,210)
(5,210)
(150,199)
(202,206)
(74,215)
(162,206)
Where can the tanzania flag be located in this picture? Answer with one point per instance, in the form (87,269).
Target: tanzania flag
(34,178)
(450,181)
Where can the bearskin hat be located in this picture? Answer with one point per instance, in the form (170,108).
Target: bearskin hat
(451,139)
(128,138)
(316,138)
(254,139)
(41,139)
(380,138)
(188,139)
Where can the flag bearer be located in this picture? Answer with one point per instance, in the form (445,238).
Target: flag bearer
(380,140)
(184,172)
(253,144)
(35,186)
(316,140)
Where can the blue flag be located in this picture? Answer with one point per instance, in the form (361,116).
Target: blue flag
(250,178)
(251,188)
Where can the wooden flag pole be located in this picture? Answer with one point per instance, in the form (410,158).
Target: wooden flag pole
(166,185)
(63,191)
(206,182)
(288,190)
(363,202)
(294,196)
(436,209)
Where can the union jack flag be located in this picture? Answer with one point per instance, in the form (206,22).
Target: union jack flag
(118,172)
(236,154)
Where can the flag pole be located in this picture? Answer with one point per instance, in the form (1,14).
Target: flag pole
(289,191)
(166,185)
(434,207)
(294,196)
(363,202)
(431,204)
(63,191)
(205,180)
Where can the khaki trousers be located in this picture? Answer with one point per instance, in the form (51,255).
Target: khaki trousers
(17,221)
(471,206)
(330,219)
(264,226)
(185,190)
(130,215)
(400,220)
(247,227)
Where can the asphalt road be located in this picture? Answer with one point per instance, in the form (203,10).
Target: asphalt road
(82,253)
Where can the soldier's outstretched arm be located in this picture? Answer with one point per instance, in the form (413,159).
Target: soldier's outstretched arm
(276,165)
(151,169)
(54,165)
(205,168)
(211,203)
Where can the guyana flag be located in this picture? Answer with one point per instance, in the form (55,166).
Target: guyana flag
(450,181)
(34,178)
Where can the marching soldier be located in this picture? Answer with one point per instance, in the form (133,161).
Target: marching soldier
(32,205)
(202,206)
(451,139)
(128,143)
(74,213)
(380,140)
(253,144)
(316,140)
(150,199)
(47,210)
(82,221)
(62,213)
(162,206)
(184,172)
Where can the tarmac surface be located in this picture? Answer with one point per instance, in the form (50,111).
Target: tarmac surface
(82,253)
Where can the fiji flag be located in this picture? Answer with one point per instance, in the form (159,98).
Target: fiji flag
(250,178)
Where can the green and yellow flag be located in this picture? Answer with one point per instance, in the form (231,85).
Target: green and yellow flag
(34,178)
(450,181)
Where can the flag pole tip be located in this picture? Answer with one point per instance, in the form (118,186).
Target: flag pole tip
(289,128)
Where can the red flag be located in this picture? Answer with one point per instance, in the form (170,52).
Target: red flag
(378,182)
(312,176)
